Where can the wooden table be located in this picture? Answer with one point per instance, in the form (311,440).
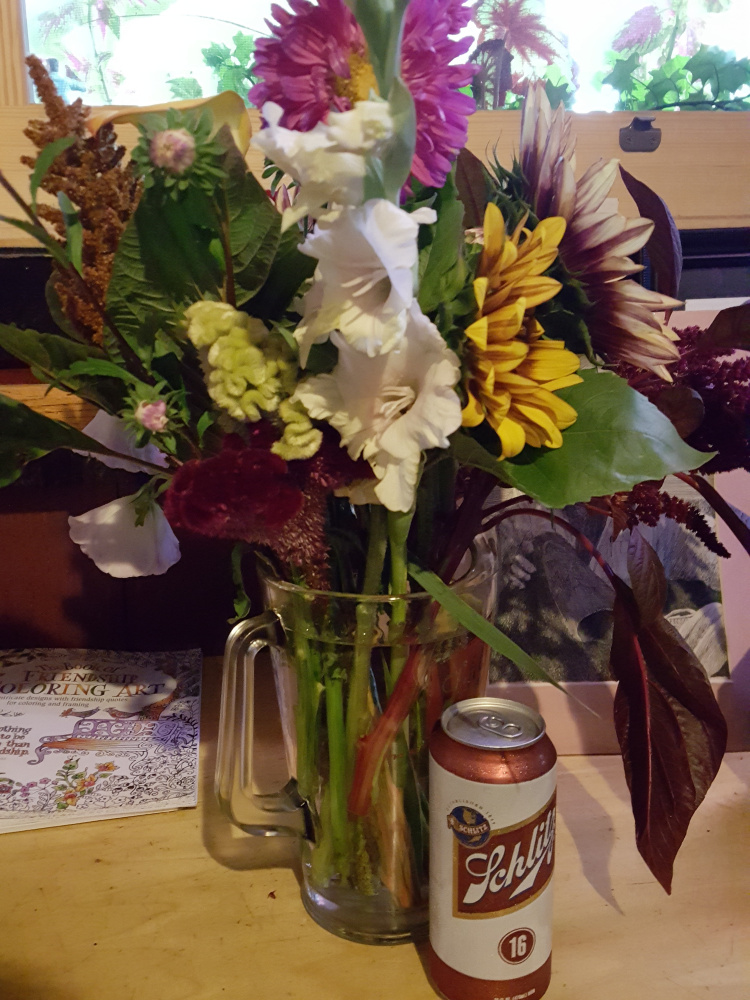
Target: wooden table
(179,906)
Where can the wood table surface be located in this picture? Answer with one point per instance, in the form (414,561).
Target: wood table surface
(180,906)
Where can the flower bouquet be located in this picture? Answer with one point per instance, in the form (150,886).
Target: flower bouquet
(337,370)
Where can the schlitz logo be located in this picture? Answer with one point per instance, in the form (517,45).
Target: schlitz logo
(469,827)
(513,867)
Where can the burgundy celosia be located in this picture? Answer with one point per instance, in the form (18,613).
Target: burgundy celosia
(243,493)
(246,493)
(306,63)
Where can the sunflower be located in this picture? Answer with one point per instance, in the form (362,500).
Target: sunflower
(598,241)
(513,371)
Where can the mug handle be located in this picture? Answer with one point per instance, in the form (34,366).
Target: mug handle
(281,813)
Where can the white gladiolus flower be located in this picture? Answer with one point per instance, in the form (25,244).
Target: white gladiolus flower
(115,434)
(329,161)
(390,408)
(110,537)
(364,281)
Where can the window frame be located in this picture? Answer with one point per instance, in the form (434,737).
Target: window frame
(700,168)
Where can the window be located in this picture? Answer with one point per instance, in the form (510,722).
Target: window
(632,55)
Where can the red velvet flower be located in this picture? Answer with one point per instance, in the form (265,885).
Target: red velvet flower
(243,493)
(246,493)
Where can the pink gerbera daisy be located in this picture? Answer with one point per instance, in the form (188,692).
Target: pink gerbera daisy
(316,60)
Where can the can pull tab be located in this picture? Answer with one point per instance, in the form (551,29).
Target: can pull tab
(497,724)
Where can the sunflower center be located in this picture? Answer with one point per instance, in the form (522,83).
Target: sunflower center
(360,82)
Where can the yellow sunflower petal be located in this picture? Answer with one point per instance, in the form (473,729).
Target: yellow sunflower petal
(547,361)
(536,290)
(506,357)
(506,322)
(494,237)
(558,410)
(562,383)
(552,438)
(472,414)
(512,437)
(480,291)
(477,333)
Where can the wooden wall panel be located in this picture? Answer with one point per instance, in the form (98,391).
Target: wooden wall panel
(701,169)
(12,70)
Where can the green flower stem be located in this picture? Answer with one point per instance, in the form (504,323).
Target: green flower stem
(337,768)
(309,690)
(321,859)
(398,531)
(358,715)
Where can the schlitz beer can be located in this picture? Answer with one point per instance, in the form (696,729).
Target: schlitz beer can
(492,840)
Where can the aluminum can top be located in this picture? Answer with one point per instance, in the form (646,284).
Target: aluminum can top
(493,724)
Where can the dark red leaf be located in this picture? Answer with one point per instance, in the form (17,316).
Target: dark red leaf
(473,188)
(729,330)
(671,731)
(664,246)
(647,580)
(684,407)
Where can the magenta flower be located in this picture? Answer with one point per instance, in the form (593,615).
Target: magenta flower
(316,61)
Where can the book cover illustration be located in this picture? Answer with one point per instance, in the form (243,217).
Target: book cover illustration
(92,734)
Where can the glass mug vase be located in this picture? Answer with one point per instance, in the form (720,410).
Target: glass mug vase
(360,681)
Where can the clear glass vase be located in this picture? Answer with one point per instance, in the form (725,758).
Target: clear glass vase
(361,681)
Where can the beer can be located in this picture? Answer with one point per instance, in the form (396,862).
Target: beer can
(492,839)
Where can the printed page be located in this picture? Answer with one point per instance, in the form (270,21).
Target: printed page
(95,734)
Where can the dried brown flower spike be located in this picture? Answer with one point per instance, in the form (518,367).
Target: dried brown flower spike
(105,193)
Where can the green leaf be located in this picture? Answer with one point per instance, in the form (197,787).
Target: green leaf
(137,305)
(41,236)
(445,272)
(73,231)
(185,88)
(163,260)
(50,355)
(618,440)
(289,270)
(254,227)
(621,76)
(28,435)
(718,69)
(478,625)
(242,601)
(102,367)
(469,452)
(44,161)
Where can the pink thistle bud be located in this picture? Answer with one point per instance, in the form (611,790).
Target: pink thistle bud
(152,416)
(173,150)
